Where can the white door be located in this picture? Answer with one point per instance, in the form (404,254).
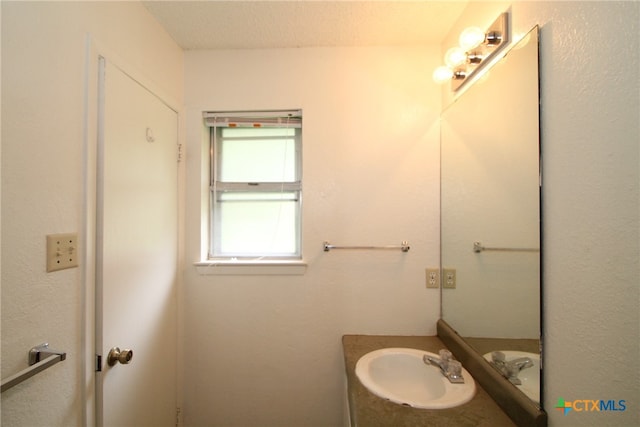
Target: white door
(136,265)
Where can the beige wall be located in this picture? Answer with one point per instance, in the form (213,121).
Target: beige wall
(43,74)
(266,350)
(590,133)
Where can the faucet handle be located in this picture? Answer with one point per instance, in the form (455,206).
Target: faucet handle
(445,355)
(454,368)
(498,356)
(454,372)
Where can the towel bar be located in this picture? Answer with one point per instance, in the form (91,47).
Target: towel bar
(477,247)
(404,247)
(40,358)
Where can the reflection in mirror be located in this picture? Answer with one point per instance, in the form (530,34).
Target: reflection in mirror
(490,197)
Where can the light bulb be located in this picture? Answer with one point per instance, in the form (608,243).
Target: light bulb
(454,57)
(471,37)
(442,74)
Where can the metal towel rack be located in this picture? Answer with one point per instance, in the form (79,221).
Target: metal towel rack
(40,358)
(404,247)
(477,247)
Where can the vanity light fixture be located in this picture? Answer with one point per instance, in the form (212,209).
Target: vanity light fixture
(475,50)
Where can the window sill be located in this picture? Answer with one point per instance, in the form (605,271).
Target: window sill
(251,268)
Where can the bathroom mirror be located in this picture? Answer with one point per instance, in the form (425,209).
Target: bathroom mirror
(490,201)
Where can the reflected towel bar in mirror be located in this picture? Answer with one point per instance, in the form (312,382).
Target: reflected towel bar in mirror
(477,247)
(404,247)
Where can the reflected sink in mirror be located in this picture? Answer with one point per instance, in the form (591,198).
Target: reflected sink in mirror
(401,376)
(529,376)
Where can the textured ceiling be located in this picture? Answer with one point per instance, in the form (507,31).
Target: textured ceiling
(241,24)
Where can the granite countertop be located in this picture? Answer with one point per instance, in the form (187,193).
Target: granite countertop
(368,410)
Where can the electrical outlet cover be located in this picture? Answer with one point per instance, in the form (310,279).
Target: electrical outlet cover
(433,277)
(449,278)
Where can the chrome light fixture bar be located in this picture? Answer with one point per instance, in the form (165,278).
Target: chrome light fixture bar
(476,50)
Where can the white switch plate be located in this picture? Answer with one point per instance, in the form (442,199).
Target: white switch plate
(62,251)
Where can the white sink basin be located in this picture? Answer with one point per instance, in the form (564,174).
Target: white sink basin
(530,377)
(401,376)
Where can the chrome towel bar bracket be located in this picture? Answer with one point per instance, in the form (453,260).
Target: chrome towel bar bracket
(404,247)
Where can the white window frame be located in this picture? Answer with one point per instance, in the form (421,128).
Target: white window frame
(251,119)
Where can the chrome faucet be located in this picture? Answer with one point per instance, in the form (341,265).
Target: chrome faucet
(450,368)
(510,369)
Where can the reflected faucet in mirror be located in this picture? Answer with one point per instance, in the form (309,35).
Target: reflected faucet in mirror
(510,368)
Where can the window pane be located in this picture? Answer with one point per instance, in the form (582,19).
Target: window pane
(257,227)
(257,155)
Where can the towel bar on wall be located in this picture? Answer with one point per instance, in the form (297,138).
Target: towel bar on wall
(40,358)
(477,247)
(404,247)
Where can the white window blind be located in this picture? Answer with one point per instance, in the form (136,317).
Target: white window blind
(256,188)
(279,118)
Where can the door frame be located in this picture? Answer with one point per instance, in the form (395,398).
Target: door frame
(93,131)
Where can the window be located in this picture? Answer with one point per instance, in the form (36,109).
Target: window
(256,187)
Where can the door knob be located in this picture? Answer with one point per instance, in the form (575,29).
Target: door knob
(116,355)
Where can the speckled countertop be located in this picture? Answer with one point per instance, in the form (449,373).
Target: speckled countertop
(368,410)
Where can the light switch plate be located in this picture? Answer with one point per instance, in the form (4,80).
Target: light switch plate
(62,251)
